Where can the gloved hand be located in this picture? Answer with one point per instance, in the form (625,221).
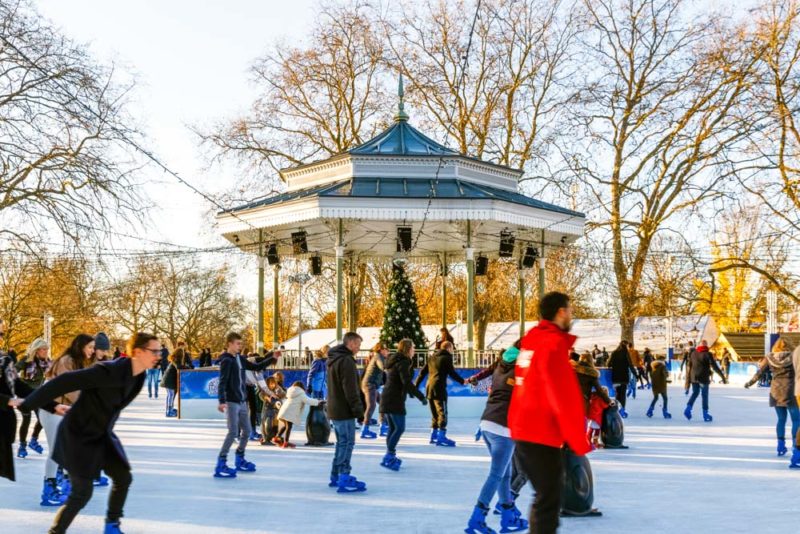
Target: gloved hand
(478,434)
(747,386)
(424,401)
(686,392)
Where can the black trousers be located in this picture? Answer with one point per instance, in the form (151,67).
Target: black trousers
(543,466)
(26,423)
(252,406)
(82,489)
(438,413)
(621,393)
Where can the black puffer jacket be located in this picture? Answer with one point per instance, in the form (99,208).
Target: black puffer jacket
(439,367)
(344,389)
(699,367)
(781,389)
(499,399)
(620,364)
(399,384)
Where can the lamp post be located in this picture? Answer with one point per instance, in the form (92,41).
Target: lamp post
(300,280)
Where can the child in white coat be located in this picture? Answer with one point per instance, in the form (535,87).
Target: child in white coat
(291,413)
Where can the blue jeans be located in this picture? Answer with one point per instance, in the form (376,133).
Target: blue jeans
(397,425)
(698,389)
(499,480)
(152,382)
(345,441)
(170,399)
(782,412)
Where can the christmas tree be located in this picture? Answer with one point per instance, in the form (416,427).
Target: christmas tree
(401,316)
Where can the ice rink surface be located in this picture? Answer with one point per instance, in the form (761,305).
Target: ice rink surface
(678,476)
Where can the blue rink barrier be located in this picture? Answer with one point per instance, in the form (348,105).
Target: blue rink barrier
(198,388)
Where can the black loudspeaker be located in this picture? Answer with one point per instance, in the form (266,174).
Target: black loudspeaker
(299,243)
(318,427)
(529,258)
(481,266)
(272,254)
(316,265)
(506,244)
(578,493)
(403,238)
(612,430)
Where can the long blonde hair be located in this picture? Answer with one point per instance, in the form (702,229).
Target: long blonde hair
(33,348)
(782,345)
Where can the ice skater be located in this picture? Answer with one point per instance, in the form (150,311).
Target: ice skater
(32,370)
(658,380)
(86,442)
(399,385)
(547,409)
(232,395)
(589,381)
(438,368)
(621,370)
(291,413)
(497,436)
(698,375)
(781,389)
(344,407)
(371,382)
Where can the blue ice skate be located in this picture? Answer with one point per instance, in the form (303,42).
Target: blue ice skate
(50,494)
(22,452)
(349,484)
(434,436)
(782,450)
(391,461)
(687,413)
(100,482)
(112,528)
(34,445)
(443,441)
(384,429)
(666,414)
(511,519)
(707,416)
(649,412)
(477,521)
(242,464)
(795,462)
(367,434)
(222,470)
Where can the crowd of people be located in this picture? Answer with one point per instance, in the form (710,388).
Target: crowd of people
(544,396)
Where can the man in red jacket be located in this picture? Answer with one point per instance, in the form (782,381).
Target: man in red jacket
(547,408)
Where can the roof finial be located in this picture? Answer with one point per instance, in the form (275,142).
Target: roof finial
(401,116)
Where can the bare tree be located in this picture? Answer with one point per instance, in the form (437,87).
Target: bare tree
(315,101)
(64,134)
(662,115)
(506,105)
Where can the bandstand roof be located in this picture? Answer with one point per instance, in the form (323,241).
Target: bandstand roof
(401,177)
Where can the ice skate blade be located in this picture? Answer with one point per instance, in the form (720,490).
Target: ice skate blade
(594,512)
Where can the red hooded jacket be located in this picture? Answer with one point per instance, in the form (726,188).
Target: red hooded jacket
(547,404)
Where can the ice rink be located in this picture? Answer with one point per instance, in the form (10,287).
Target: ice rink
(677,477)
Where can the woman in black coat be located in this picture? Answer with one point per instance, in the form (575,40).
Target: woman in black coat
(621,367)
(86,442)
(399,385)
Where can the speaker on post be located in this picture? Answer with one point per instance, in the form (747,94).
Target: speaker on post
(316,265)
(506,244)
(481,265)
(272,254)
(403,238)
(299,243)
(529,258)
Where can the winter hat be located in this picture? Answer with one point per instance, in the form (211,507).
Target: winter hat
(510,354)
(101,341)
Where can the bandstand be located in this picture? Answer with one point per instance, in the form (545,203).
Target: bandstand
(399,196)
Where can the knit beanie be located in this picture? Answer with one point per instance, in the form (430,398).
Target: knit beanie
(510,355)
(101,341)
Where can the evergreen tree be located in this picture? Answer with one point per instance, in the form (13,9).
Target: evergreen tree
(401,316)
